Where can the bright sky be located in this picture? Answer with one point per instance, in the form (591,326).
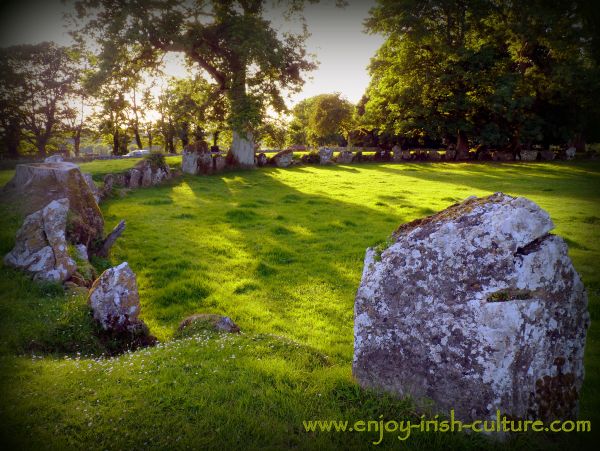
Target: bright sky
(337,39)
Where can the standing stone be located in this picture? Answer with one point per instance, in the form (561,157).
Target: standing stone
(92,185)
(146,177)
(114,299)
(450,154)
(502,155)
(325,155)
(261,159)
(35,185)
(478,308)
(433,155)
(529,155)
(205,163)
(284,158)
(570,153)
(189,162)
(547,155)
(397,154)
(345,157)
(219,163)
(135,178)
(41,246)
(54,159)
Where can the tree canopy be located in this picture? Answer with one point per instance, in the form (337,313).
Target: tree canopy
(501,73)
(231,41)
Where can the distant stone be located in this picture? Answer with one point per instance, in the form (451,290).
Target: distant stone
(35,185)
(345,157)
(529,155)
(262,159)
(114,299)
(219,163)
(135,178)
(54,159)
(433,155)
(189,162)
(41,246)
(325,155)
(547,155)
(205,163)
(477,308)
(284,158)
(502,155)
(206,321)
(146,177)
(450,154)
(570,153)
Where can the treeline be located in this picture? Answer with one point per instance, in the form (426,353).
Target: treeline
(487,73)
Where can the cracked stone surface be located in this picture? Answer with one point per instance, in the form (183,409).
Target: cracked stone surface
(41,246)
(477,308)
(114,298)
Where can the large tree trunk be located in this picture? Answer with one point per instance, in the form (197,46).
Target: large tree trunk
(462,146)
(138,139)
(77,142)
(242,149)
(242,146)
(115,149)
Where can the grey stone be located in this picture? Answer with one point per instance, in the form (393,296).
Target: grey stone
(325,155)
(135,178)
(212,321)
(529,155)
(219,163)
(114,299)
(547,155)
(261,159)
(41,246)
(345,157)
(54,159)
(477,308)
(189,162)
(284,158)
(35,185)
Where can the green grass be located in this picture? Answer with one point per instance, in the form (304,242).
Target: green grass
(281,253)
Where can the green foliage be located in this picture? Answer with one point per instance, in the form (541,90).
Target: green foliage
(233,43)
(500,72)
(157,160)
(321,120)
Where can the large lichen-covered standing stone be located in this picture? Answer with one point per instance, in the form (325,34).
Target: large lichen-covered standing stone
(41,247)
(477,308)
(35,185)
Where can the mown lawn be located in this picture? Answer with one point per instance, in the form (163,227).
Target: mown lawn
(280,251)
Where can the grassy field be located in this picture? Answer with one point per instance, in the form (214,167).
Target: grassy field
(281,252)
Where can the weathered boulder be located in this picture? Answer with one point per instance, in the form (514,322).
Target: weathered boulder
(547,155)
(433,155)
(189,162)
(529,155)
(477,308)
(35,185)
(135,178)
(262,159)
(569,153)
(397,154)
(284,158)
(502,155)
(114,299)
(57,158)
(345,157)
(219,163)
(325,155)
(41,245)
(207,321)
(146,177)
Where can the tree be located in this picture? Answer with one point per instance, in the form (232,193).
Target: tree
(41,78)
(498,73)
(230,40)
(322,119)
